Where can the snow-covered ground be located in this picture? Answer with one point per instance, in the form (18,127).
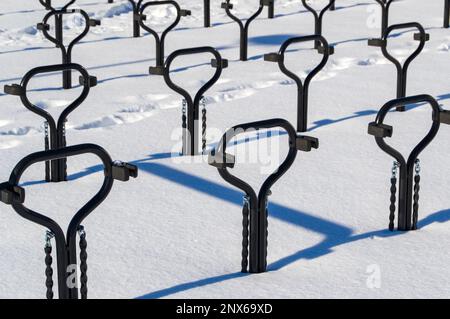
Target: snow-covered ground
(176,230)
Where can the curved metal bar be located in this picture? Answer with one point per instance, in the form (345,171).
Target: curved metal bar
(385,6)
(243,27)
(191,147)
(56,128)
(66,52)
(318,18)
(302,89)
(258,203)
(160,41)
(381,131)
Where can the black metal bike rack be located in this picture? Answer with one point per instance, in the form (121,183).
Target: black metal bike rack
(67,261)
(191,106)
(447,14)
(228,6)
(55,132)
(160,40)
(255,211)
(318,20)
(58,40)
(408,203)
(402,70)
(302,100)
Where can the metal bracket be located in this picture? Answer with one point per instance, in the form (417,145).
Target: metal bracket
(10,194)
(306,143)
(92,81)
(377,42)
(216,160)
(223,65)
(444,117)
(380,130)
(123,171)
(14,89)
(273,57)
(322,50)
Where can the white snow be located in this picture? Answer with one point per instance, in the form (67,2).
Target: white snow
(175,232)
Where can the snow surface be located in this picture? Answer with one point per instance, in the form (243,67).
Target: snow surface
(176,230)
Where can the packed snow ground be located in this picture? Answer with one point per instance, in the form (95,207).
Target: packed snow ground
(176,230)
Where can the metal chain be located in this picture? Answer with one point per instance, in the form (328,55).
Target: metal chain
(48,263)
(83,262)
(47,147)
(203,104)
(184,122)
(395,167)
(245,232)
(416,194)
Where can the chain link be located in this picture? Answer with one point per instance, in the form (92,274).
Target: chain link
(83,262)
(416,194)
(393,198)
(48,263)
(203,104)
(184,123)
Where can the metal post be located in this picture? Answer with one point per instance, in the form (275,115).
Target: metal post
(447,14)
(207,13)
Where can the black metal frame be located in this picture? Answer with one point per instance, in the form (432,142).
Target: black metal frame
(446,14)
(207,12)
(13,194)
(385,6)
(402,70)
(380,131)
(333,5)
(258,203)
(318,19)
(160,40)
(66,52)
(57,170)
(244,27)
(191,134)
(302,89)
(136,27)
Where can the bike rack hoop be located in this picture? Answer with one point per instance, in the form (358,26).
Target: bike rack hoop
(218,63)
(86,80)
(222,160)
